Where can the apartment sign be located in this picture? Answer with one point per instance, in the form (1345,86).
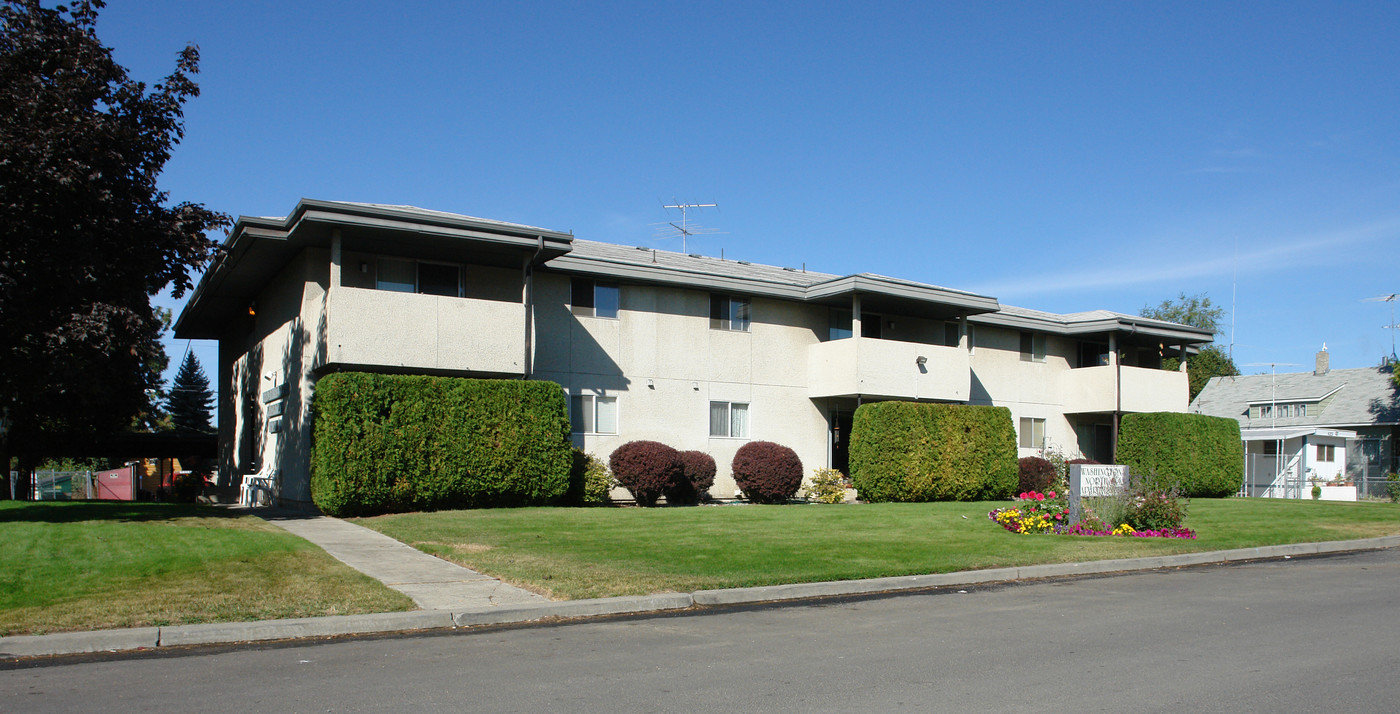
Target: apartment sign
(1094,481)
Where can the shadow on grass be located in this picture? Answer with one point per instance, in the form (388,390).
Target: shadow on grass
(120,511)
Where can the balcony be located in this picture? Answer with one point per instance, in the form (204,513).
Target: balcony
(379,328)
(887,369)
(1091,389)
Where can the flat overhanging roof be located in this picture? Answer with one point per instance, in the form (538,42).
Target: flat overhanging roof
(258,248)
(1293,432)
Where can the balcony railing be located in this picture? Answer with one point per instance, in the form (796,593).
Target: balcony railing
(379,328)
(1091,389)
(887,369)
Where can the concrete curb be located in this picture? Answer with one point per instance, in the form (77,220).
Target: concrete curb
(226,633)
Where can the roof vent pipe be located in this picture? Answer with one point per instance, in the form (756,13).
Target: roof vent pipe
(1323,362)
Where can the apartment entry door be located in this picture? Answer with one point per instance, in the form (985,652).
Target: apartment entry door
(841,420)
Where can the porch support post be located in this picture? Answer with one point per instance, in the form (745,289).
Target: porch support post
(1117,388)
(855,315)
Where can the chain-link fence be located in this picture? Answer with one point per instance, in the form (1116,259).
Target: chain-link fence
(1367,462)
(63,485)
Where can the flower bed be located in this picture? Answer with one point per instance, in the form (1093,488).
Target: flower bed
(1048,512)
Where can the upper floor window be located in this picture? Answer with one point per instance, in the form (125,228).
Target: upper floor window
(842,325)
(1032,347)
(729,313)
(1266,411)
(1092,354)
(589,298)
(411,276)
(952,335)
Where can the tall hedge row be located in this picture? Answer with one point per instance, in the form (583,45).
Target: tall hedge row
(906,451)
(1199,454)
(387,443)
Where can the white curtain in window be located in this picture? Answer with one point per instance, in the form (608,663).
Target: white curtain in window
(606,422)
(719,418)
(739,420)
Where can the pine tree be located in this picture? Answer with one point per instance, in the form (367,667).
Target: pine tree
(191,399)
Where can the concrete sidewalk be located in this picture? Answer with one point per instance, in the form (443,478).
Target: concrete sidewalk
(373,552)
(433,583)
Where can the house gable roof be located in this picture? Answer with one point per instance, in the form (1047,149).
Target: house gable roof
(1354,397)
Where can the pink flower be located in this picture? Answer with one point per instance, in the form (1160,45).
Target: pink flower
(1022,496)
(1039,497)
(1051,494)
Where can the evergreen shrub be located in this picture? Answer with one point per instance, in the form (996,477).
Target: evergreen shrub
(1199,455)
(647,469)
(391,443)
(589,481)
(907,451)
(1036,474)
(698,475)
(767,472)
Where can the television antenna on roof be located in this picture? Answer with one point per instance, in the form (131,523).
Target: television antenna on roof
(1392,326)
(1273,383)
(685,230)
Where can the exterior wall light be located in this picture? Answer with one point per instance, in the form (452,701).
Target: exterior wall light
(921,360)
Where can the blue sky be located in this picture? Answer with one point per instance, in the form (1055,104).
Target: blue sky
(1058,156)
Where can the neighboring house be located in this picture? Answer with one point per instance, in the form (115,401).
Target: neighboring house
(697,352)
(1327,425)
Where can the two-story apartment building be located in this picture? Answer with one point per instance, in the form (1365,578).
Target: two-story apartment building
(694,351)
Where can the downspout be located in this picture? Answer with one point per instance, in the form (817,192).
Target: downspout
(528,361)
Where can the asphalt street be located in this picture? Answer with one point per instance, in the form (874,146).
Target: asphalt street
(1304,634)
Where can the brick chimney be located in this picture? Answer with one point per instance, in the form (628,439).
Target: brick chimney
(1323,366)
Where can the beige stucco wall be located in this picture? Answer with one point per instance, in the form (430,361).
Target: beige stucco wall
(664,364)
(280,345)
(425,332)
(1028,389)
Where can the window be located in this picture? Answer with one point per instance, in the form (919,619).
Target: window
(951,334)
(1301,410)
(729,419)
(1271,448)
(1092,354)
(589,298)
(1285,410)
(408,276)
(729,313)
(400,276)
(1266,411)
(870,324)
(1032,433)
(1326,453)
(839,324)
(591,414)
(1032,347)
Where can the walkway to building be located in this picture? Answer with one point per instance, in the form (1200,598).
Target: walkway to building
(433,583)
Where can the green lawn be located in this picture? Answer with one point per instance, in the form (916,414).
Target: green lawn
(86,566)
(571,553)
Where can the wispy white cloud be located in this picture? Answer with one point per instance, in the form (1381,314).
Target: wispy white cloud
(1295,252)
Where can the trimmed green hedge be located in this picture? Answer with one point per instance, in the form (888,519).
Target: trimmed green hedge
(1199,454)
(906,451)
(390,443)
